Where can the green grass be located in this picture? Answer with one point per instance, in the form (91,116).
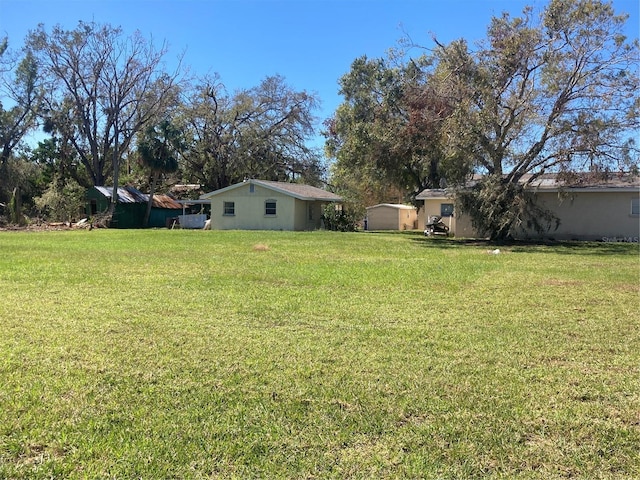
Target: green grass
(191,354)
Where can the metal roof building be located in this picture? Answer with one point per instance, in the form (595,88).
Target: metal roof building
(131,207)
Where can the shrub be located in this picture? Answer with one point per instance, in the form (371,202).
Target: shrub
(339,220)
(61,203)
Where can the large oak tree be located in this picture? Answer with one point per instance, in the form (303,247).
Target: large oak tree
(387,137)
(555,92)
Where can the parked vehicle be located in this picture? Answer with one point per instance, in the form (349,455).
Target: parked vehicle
(436,227)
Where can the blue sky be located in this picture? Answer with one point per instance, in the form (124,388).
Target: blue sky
(309,42)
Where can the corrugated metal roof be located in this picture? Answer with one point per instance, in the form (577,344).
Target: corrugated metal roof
(125,194)
(133,195)
(165,201)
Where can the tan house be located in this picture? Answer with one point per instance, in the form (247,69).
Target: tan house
(265,205)
(438,202)
(392,216)
(605,210)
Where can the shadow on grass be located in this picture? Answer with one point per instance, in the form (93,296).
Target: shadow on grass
(532,246)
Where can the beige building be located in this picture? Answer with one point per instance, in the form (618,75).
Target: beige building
(392,216)
(266,205)
(438,202)
(604,210)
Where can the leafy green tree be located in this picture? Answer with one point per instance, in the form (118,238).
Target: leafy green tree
(56,159)
(556,92)
(261,132)
(387,135)
(363,186)
(159,149)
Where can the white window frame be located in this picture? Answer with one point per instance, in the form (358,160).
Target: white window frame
(635,207)
(266,208)
(228,209)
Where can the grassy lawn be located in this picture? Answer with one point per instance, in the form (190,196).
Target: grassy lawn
(192,354)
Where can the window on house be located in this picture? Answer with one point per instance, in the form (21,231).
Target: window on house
(229,208)
(446,209)
(252,188)
(635,206)
(311,211)
(270,207)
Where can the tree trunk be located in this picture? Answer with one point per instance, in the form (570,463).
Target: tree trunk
(15,207)
(154,181)
(116,169)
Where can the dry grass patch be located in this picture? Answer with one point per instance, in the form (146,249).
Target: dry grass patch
(554,282)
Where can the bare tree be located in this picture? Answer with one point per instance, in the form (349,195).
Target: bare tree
(20,97)
(104,88)
(260,132)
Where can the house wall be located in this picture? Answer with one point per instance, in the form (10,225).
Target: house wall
(459,224)
(291,213)
(598,216)
(128,215)
(250,210)
(420,219)
(125,215)
(314,218)
(160,217)
(591,216)
(95,202)
(386,217)
(308,215)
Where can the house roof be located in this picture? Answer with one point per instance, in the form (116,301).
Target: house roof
(296,190)
(165,201)
(397,206)
(433,193)
(133,195)
(552,182)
